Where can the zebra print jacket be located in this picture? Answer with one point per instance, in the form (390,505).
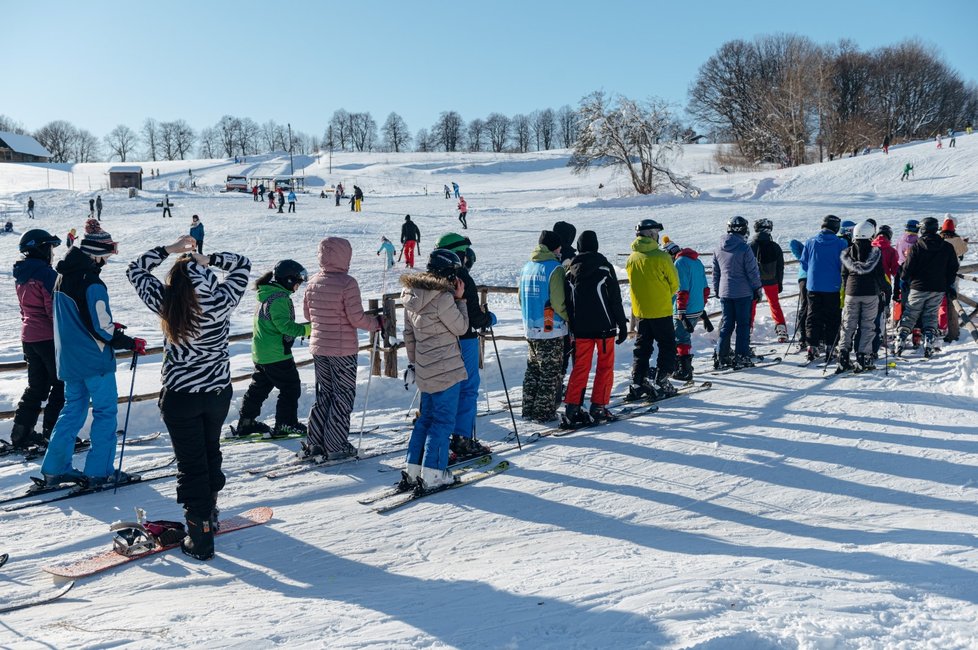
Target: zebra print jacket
(202,364)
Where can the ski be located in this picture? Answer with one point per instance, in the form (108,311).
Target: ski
(467,479)
(232,439)
(762,364)
(456,465)
(458,469)
(626,413)
(301,465)
(109,559)
(4,558)
(689,388)
(141,440)
(34,451)
(40,599)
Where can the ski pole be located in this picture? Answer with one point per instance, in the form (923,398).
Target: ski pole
(413,400)
(502,375)
(886,340)
(366,395)
(125,426)
(828,353)
(794,334)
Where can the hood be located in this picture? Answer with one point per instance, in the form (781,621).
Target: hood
(585,264)
(421,288)
(909,237)
(931,242)
(761,237)
(826,235)
(882,242)
(644,245)
(28,268)
(77,262)
(335,254)
(854,265)
(688,252)
(732,242)
(266,290)
(566,232)
(541,254)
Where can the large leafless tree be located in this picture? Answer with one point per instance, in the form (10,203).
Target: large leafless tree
(396,134)
(121,142)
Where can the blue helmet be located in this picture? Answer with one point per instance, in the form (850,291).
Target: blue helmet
(912,226)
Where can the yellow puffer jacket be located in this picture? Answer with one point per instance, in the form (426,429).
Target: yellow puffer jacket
(652,279)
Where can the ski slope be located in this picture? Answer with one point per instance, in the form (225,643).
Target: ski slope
(781,509)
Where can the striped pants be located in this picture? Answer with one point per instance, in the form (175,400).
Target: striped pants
(336,387)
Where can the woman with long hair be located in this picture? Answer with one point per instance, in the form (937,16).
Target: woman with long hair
(194,309)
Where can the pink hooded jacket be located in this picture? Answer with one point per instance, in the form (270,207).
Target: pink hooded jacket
(332,303)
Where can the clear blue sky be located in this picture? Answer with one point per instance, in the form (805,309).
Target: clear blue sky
(100,63)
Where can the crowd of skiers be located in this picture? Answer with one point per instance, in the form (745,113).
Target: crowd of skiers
(571,307)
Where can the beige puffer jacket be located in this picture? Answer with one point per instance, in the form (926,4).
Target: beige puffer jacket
(433,322)
(332,303)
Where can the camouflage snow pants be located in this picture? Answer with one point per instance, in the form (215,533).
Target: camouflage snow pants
(543,379)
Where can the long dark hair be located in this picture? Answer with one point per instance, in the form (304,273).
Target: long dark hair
(180,311)
(265,278)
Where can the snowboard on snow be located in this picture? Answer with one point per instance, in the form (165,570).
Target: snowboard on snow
(105,560)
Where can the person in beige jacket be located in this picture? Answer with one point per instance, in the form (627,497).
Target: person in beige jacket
(333,306)
(435,316)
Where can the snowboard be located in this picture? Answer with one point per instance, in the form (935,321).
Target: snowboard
(105,560)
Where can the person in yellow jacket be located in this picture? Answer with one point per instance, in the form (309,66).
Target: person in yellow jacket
(653,281)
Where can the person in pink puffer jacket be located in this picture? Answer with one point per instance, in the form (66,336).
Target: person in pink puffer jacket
(333,305)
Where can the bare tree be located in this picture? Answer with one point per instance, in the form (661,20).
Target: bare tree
(249,135)
(544,125)
(184,138)
(10,125)
(630,136)
(86,146)
(121,142)
(566,126)
(423,141)
(58,137)
(210,142)
(341,128)
(520,126)
(497,125)
(396,134)
(329,139)
(363,131)
(447,131)
(476,134)
(151,137)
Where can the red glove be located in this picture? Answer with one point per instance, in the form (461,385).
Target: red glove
(706,294)
(119,326)
(682,300)
(139,346)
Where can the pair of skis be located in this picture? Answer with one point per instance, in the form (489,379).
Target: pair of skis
(477,470)
(299,465)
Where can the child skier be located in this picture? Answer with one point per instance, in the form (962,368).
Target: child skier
(689,303)
(387,247)
(435,316)
(906,172)
(864,281)
(275,330)
(770,261)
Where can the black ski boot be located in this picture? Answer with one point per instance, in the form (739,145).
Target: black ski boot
(574,416)
(644,391)
(600,413)
(741,361)
(864,363)
(663,385)
(685,371)
(248,426)
(845,362)
(23,438)
(199,542)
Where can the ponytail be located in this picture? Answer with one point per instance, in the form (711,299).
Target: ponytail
(180,311)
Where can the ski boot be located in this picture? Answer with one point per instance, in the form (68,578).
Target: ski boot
(722,361)
(742,361)
(865,363)
(845,362)
(409,478)
(248,426)
(781,330)
(900,345)
(433,479)
(574,416)
(117,477)
(685,371)
(930,345)
(600,413)
(71,476)
(348,451)
(664,386)
(309,450)
(23,438)
(643,391)
(285,430)
(199,542)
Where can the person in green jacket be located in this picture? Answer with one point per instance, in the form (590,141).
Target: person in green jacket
(906,172)
(653,281)
(271,349)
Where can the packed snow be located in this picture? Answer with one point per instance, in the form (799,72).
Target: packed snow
(778,510)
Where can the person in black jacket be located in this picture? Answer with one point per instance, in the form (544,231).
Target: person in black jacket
(770,262)
(929,273)
(566,232)
(410,238)
(596,316)
(864,280)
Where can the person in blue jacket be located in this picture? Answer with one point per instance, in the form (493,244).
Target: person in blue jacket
(84,339)
(821,258)
(197,232)
(387,247)
(291,200)
(688,303)
(737,283)
(801,312)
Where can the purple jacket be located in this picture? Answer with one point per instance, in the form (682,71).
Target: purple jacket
(735,272)
(904,244)
(35,284)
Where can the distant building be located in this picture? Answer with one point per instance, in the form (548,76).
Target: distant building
(22,148)
(126,176)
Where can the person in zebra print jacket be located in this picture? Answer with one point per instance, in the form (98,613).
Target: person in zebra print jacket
(194,309)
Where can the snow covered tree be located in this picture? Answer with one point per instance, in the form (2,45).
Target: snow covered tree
(121,142)
(632,136)
(396,134)
(497,125)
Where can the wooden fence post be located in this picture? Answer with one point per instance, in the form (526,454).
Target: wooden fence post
(390,354)
(373,305)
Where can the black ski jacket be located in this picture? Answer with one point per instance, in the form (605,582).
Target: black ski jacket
(478,319)
(862,271)
(594,299)
(410,232)
(931,264)
(770,259)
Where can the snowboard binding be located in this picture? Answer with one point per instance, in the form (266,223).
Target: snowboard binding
(140,536)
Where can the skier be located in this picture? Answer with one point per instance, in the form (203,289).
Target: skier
(291,201)
(688,304)
(566,231)
(387,247)
(339,193)
(886,143)
(891,269)
(34,279)
(275,330)
(166,205)
(357,199)
(801,318)
(906,172)
(953,140)
(85,337)
(333,305)
(596,317)
(463,210)
(98,207)
(929,272)
(195,308)
(271,200)
(946,316)
(197,232)
(71,237)
(544,312)
(864,282)
(91,208)
(652,282)
(463,443)
(30,207)
(845,231)
(435,314)
(261,191)
(940,143)
(281,201)
(448,193)
(821,259)
(736,282)
(254,193)
(410,238)
(455,188)
(770,262)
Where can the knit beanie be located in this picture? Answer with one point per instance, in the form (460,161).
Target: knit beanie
(670,246)
(588,242)
(96,241)
(550,239)
(948,225)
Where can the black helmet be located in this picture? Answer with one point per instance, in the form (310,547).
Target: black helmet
(765,225)
(289,274)
(648,224)
(738,226)
(443,263)
(469,260)
(38,242)
(832,222)
(886,231)
(930,226)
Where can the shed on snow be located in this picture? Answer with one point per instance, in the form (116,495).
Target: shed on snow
(126,176)
(15,147)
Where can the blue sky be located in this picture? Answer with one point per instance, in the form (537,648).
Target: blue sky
(101,63)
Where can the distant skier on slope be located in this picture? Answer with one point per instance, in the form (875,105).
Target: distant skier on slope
(906,172)
(410,238)
(387,247)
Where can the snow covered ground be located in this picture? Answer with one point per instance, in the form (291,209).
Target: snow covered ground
(777,510)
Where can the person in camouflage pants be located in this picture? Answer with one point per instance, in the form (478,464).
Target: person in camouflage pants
(542,381)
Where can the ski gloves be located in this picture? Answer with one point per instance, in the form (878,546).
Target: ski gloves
(409,376)
(622,335)
(687,324)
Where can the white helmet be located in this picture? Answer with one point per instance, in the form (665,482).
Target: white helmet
(865,230)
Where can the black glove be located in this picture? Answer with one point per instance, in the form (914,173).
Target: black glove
(758,295)
(409,376)
(952,293)
(622,335)
(707,325)
(687,324)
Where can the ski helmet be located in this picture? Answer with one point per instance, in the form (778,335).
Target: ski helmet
(765,225)
(443,263)
(886,231)
(912,226)
(865,230)
(846,227)
(647,225)
(289,274)
(469,260)
(738,226)
(38,243)
(832,222)
(453,242)
(930,226)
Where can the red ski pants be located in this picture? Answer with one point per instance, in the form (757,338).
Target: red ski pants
(604,375)
(771,291)
(409,252)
